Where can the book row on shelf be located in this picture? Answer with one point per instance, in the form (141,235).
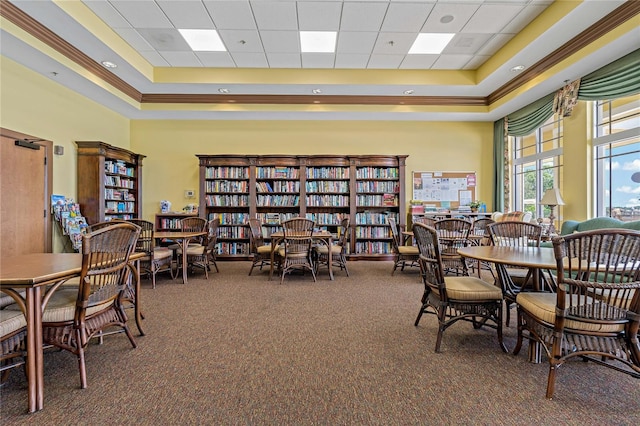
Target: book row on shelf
(377,186)
(365,247)
(233,232)
(226,200)
(278,186)
(281,200)
(377,173)
(226,172)
(327,173)
(374,218)
(115,194)
(328,200)
(118,181)
(390,200)
(226,186)
(328,186)
(119,207)
(372,232)
(277,173)
(118,167)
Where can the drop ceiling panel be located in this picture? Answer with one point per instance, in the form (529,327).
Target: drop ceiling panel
(241,40)
(107,13)
(466,44)
(154,58)
(142,14)
(394,43)
(250,60)
(182,59)
(528,14)
(406,17)
(351,61)
(385,61)
(356,42)
(284,60)
(280,41)
(319,16)
(318,60)
(134,39)
(365,16)
(494,44)
(187,14)
(451,62)
(164,39)
(275,15)
(491,18)
(231,15)
(461,13)
(418,61)
(216,59)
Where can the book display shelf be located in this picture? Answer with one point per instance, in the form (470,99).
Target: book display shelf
(109,182)
(167,222)
(324,188)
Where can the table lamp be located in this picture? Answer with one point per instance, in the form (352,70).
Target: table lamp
(552,198)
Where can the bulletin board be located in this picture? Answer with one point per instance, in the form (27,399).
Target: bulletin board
(444,189)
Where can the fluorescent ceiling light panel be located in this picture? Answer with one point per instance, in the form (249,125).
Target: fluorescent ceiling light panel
(430,43)
(203,40)
(318,41)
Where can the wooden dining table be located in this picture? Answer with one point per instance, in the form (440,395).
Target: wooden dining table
(182,238)
(39,275)
(325,237)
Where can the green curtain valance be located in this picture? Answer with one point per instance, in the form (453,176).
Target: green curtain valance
(618,79)
(529,118)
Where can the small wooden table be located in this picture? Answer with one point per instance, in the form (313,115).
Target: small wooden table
(182,238)
(324,236)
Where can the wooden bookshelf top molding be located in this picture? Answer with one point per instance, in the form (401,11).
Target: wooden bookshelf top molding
(112,152)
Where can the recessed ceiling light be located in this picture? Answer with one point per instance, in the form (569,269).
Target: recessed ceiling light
(203,40)
(408,92)
(517,68)
(108,64)
(223,90)
(430,43)
(316,91)
(318,41)
(446,19)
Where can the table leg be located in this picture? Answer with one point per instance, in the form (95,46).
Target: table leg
(330,258)
(185,245)
(35,364)
(136,297)
(273,250)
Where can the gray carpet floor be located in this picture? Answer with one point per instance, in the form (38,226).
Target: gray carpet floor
(240,350)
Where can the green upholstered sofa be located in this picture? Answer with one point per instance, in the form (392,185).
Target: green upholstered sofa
(571,226)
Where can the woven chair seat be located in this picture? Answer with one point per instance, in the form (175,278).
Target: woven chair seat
(542,306)
(323,249)
(264,249)
(6,300)
(11,320)
(62,306)
(193,250)
(411,250)
(471,288)
(161,253)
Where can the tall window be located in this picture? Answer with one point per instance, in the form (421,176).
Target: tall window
(537,166)
(617,158)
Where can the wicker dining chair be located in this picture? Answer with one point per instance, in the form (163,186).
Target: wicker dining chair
(157,259)
(203,255)
(260,250)
(453,234)
(74,315)
(337,257)
(595,314)
(479,235)
(13,344)
(296,247)
(454,298)
(515,234)
(404,256)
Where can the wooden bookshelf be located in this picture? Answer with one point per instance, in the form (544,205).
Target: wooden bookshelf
(324,188)
(109,182)
(169,221)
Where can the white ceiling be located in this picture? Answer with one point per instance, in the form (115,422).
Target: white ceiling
(373,36)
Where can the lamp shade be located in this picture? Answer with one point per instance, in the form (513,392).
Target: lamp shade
(552,197)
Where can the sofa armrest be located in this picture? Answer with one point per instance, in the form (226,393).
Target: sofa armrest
(569,227)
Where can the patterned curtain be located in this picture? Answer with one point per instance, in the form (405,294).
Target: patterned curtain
(566,98)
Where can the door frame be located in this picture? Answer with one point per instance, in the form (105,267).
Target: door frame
(48,179)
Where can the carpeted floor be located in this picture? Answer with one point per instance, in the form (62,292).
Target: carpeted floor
(243,350)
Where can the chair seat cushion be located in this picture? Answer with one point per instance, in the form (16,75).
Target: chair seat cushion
(264,249)
(408,250)
(193,250)
(161,253)
(543,307)
(323,249)
(11,320)
(471,288)
(62,306)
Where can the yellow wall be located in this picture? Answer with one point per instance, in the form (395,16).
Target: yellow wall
(578,159)
(35,105)
(171,166)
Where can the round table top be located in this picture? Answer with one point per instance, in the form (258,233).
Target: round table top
(532,257)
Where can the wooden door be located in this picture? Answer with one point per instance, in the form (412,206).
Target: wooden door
(25,225)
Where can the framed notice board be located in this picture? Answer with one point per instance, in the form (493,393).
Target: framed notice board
(444,189)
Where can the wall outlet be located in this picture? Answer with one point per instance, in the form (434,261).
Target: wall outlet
(189,193)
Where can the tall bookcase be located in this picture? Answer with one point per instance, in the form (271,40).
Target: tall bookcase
(109,182)
(325,188)
(170,221)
